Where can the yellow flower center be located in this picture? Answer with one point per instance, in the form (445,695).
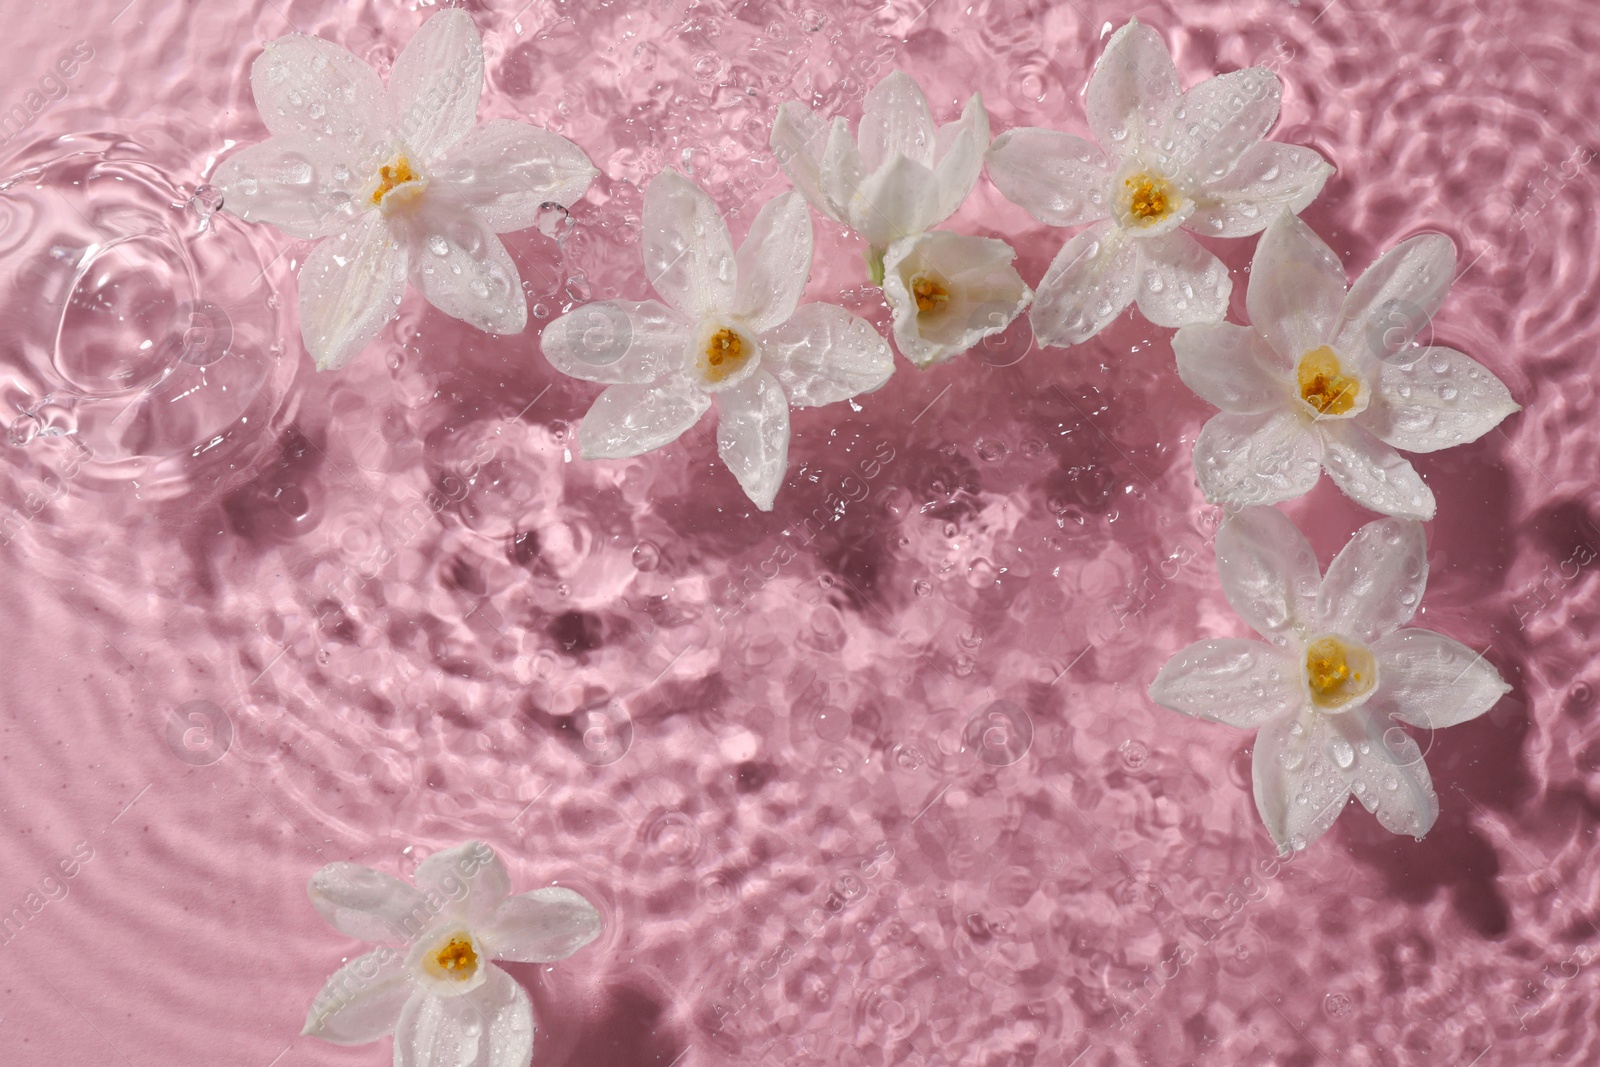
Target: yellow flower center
(1323,386)
(398,183)
(724,354)
(929,293)
(457,959)
(1150,198)
(1337,672)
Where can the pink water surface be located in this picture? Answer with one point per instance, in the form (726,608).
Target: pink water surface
(258,619)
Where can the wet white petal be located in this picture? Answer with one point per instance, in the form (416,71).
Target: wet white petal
(1132,89)
(774,262)
(1057,178)
(985,293)
(824,354)
(541,926)
(1396,296)
(753,435)
(617,341)
(490,1027)
(1091,280)
(688,256)
(1296,287)
(313,89)
(362,1000)
(436,82)
(842,171)
(505,171)
(1269,573)
(1241,460)
(798,140)
(1180,283)
(460,266)
(629,420)
(470,877)
(1432,398)
(1385,771)
(1232,367)
(1429,680)
(898,200)
(365,904)
(1374,585)
(350,287)
(1215,123)
(959,156)
(291,183)
(895,120)
(1372,473)
(1229,680)
(1298,788)
(1267,179)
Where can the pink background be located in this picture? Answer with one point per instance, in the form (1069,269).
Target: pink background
(411,617)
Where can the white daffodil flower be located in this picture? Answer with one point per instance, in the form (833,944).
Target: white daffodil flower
(1325,379)
(401,182)
(945,291)
(1338,676)
(1168,163)
(440,997)
(732,329)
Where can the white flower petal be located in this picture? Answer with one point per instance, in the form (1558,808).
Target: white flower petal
(824,354)
(753,435)
(469,876)
(367,905)
(350,287)
(842,171)
(1215,123)
(490,1027)
(1371,473)
(900,199)
(1132,89)
(539,927)
(1385,770)
(1244,460)
(1430,680)
(436,82)
(1231,366)
(985,293)
(617,341)
(1396,296)
(1299,790)
(630,420)
(1269,573)
(291,183)
(799,138)
(362,1000)
(1229,680)
(895,120)
(774,262)
(688,256)
(505,171)
(960,148)
(1438,398)
(460,266)
(310,88)
(1059,179)
(1089,283)
(1180,283)
(1375,583)
(1268,178)
(1296,287)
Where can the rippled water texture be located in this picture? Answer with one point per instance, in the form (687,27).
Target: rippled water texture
(869,780)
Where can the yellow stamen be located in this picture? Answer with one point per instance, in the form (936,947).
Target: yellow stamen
(1323,386)
(392,175)
(1149,198)
(725,354)
(457,959)
(929,293)
(1337,672)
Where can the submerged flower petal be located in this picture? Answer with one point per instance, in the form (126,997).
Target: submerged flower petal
(1230,366)
(541,926)
(1180,283)
(1299,790)
(1091,280)
(1374,585)
(1385,771)
(900,199)
(1296,287)
(630,420)
(350,287)
(362,1000)
(753,436)
(436,82)
(469,876)
(617,341)
(688,255)
(365,904)
(959,156)
(490,1027)
(1058,178)
(309,88)
(1373,474)
(1265,458)
(1229,680)
(1269,573)
(506,171)
(290,183)
(774,262)
(1133,87)
(895,120)
(1432,681)
(1268,178)
(824,354)
(1436,399)
(799,138)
